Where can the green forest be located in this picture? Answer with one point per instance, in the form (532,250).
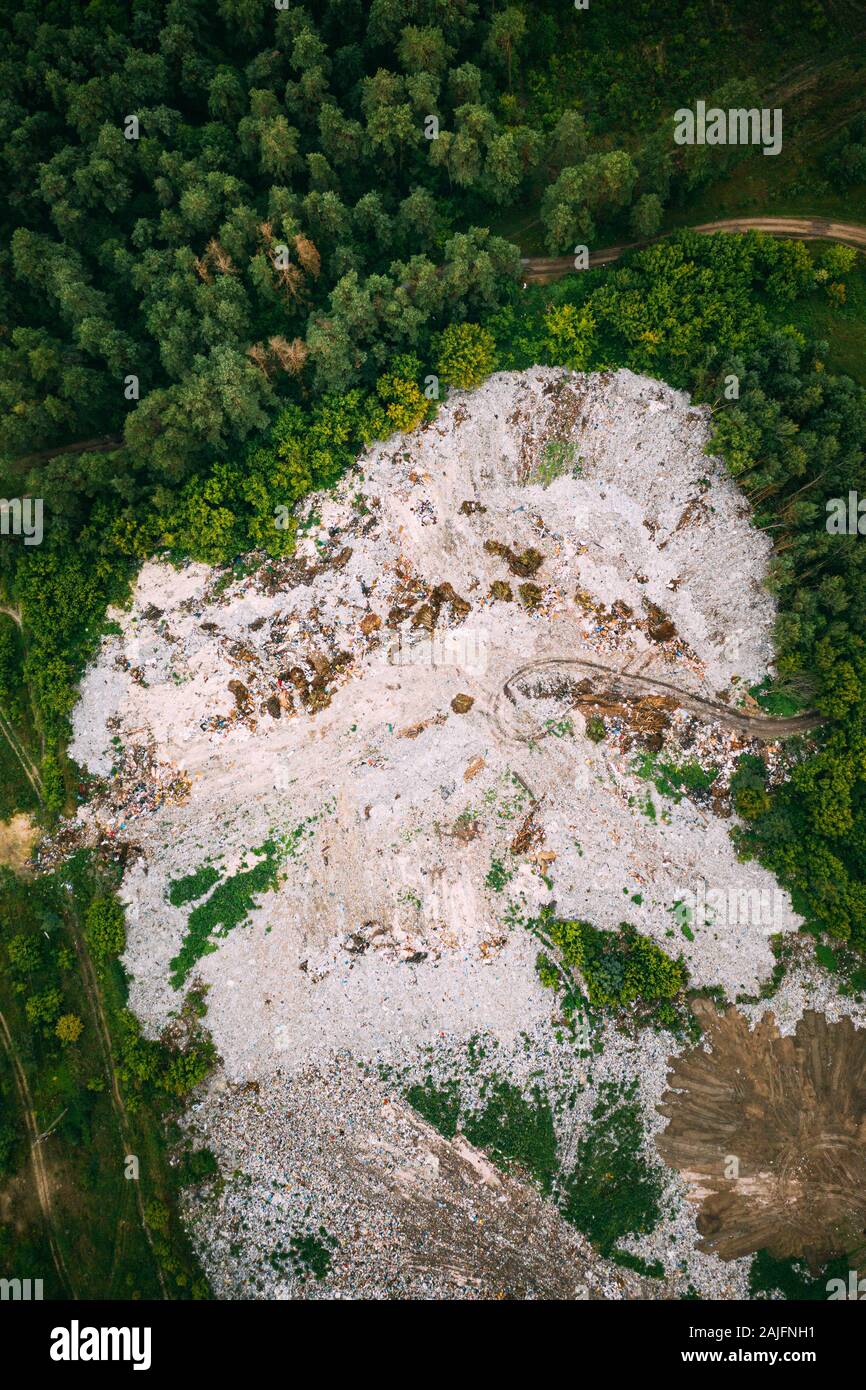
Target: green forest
(240,240)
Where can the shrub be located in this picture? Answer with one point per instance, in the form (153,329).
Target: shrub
(467,354)
(69,1028)
(196,1167)
(405,406)
(748,788)
(570,336)
(547,971)
(838,259)
(624,971)
(43,1008)
(312,1254)
(11,653)
(104,929)
(646,216)
(24,953)
(52,785)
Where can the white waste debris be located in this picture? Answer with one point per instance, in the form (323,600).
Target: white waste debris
(347,709)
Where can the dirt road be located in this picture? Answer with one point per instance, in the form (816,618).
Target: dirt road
(765,727)
(540,270)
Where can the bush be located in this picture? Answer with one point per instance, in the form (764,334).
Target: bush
(848,166)
(646,216)
(11,655)
(104,929)
(43,1008)
(569,337)
(196,1167)
(69,1028)
(25,955)
(53,794)
(405,406)
(748,788)
(547,971)
(624,972)
(838,259)
(467,354)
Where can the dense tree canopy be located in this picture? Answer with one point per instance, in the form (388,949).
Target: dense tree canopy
(207,214)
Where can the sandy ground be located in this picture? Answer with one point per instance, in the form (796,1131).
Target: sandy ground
(18,835)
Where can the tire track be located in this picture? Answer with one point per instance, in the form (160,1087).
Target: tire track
(30,769)
(43,1188)
(768,727)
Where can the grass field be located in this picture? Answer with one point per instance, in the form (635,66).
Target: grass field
(96,1224)
(105,1154)
(842,326)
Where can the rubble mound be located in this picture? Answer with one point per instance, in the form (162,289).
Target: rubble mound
(430,1217)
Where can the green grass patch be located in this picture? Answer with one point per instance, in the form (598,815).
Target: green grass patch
(99,1229)
(196,1167)
(672,780)
(769,1277)
(313,1254)
(186,889)
(614,1190)
(16,790)
(228,906)
(650,1270)
(516,1131)
(438,1105)
(778,702)
(498,876)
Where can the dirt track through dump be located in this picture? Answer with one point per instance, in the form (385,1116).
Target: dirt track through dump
(768,728)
